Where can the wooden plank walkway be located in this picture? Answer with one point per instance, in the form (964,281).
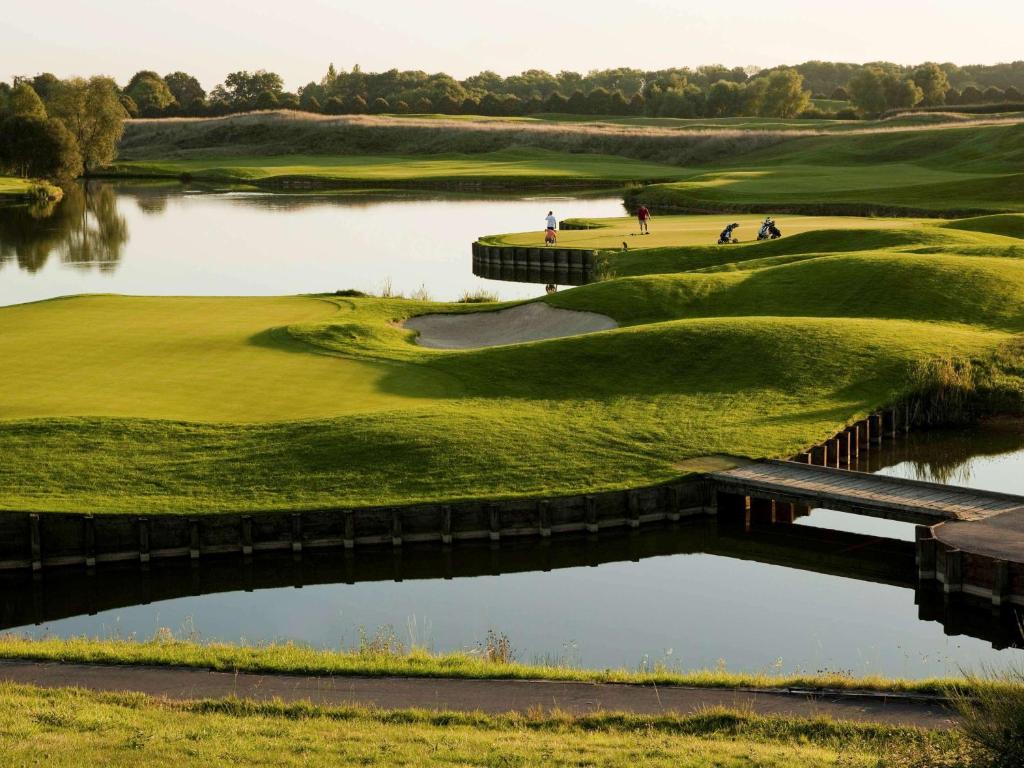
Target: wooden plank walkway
(911,501)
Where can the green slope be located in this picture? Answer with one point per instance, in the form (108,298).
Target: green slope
(200,405)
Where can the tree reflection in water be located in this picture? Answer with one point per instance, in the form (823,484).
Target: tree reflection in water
(84,228)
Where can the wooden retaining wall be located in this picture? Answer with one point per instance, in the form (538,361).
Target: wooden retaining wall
(968,573)
(570,265)
(844,448)
(46,540)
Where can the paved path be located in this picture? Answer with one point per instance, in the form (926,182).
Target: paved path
(493,696)
(864,493)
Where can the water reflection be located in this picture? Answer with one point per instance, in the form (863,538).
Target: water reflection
(201,241)
(84,229)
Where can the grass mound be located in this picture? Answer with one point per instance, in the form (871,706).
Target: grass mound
(199,405)
(1007,224)
(951,171)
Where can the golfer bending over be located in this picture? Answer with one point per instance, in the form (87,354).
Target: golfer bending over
(550,234)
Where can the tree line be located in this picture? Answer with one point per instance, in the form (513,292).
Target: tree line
(56,129)
(709,91)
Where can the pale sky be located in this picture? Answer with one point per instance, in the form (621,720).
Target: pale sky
(299,38)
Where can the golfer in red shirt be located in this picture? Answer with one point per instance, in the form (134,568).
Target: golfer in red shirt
(643,216)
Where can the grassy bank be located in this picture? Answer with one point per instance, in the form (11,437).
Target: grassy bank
(396,661)
(904,166)
(13,188)
(199,405)
(953,171)
(507,167)
(74,727)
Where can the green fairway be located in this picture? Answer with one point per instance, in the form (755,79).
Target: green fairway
(945,169)
(511,164)
(676,231)
(198,359)
(138,404)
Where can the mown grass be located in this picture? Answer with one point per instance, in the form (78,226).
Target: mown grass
(519,166)
(289,658)
(682,231)
(75,727)
(943,170)
(116,404)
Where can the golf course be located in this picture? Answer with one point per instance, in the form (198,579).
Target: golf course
(188,404)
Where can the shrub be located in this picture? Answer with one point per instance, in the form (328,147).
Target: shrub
(847,114)
(991,709)
(478,296)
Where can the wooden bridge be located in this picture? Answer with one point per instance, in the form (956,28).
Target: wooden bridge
(893,498)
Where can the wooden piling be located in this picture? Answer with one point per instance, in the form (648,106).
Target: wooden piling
(634,509)
(246,535)
(89,535)
(193,537)
(35,542)
(590,514)
(296,532)
(494,519)
(954,571)
(349,519)
(877,428)
(544,518)
(143,524)
(396,527)
(672,502)
(446,524)
(1000,582)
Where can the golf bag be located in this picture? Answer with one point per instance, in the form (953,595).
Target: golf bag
(769,231)
(726,237)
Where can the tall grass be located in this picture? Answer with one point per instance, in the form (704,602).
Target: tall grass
(991,710)
(958,390)
(298,133)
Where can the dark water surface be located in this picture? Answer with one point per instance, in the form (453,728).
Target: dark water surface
(168,240)
(834,592)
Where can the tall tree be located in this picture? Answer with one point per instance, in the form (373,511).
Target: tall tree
(186,89)
(93,113)
(25,102)
(38,147)
(933,82)
(150,93)
(784,94)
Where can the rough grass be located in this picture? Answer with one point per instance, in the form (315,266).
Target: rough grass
(284,133)
(290,658)
(75,727)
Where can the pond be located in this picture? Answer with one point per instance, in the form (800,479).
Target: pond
(834,592)
(171,240)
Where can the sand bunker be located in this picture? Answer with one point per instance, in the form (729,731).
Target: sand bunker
(528,322)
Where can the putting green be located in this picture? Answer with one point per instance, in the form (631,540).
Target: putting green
(198,359)
(669,231)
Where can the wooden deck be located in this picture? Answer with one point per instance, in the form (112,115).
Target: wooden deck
(910,501)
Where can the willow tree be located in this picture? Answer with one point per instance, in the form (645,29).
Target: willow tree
(92,111)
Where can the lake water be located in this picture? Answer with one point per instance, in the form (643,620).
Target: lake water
(834,592)
(169,240)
